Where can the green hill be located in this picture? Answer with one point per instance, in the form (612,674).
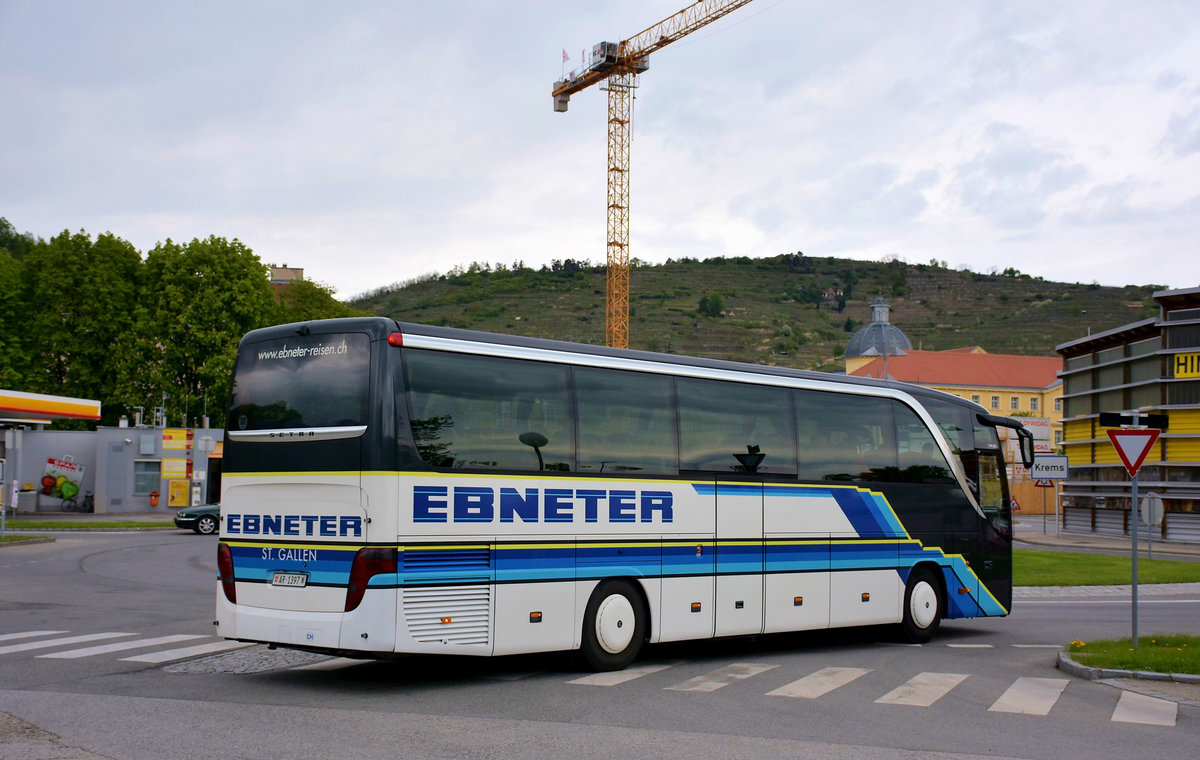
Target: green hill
(774,310)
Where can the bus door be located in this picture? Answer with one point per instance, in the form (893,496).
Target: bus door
(688,565)
(797,521)
(739,558)
(993,544)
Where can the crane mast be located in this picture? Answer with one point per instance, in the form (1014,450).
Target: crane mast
(618,65)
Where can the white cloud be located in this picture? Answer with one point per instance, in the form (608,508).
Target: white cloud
(374,142)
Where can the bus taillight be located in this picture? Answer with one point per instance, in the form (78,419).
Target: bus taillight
(368,562)
(225,571)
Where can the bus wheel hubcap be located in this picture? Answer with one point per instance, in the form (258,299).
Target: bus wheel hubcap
(923,604)
(614,624)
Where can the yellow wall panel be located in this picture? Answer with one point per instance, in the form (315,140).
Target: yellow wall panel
(1184,450)
(1106,454)
(1078,454)
(1184,421)
(1077,430)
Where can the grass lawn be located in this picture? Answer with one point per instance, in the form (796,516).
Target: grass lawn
(11,539)
(84,525)
(1033,567)
(1162,653)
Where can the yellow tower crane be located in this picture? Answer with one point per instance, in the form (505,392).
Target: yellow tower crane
(620,63)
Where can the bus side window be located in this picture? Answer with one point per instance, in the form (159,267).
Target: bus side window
(507,414)
(921,460)
(626,422)
(733,427)
(845,437)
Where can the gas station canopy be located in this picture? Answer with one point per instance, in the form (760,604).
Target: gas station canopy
(38,407)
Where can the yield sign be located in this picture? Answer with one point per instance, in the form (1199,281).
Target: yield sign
(1133,446)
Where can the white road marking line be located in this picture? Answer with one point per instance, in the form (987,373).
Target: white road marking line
(72,654)
(923,689)
(970,646)
(182,654)
(820,683)
(1038,646)
(1119,600)
(1030,696)
(61,642)
(1140,708)
(28,634)
(722,677)
(620,676)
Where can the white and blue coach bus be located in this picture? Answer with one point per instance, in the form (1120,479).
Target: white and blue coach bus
(399,488)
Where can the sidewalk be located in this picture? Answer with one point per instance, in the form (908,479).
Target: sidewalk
(1028,532)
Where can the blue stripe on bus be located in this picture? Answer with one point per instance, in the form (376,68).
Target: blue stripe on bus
(517,563)
(867,511)
(323,566)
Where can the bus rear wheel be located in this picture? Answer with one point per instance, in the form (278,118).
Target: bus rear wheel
(922,606)
(614,626)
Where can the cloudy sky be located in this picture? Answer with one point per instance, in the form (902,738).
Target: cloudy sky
(374,142)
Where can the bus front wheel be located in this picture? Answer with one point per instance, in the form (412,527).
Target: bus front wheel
(614,626)
(922,606)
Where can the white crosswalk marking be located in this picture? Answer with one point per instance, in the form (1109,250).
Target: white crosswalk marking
(28,635)
(820,683)
(923,689)
(1139,708)
(721,677)
(1030,696)
(186,652)
(48,643)
(620,676)
(120,646)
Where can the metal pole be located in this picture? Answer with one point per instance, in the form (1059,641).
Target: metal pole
(1134,533)
(1149,539)
(1057,518)
(1043,511)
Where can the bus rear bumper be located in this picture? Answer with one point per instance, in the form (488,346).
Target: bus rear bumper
(370,628)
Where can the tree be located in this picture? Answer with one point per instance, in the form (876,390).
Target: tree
(711,305)
(79,299)
(198,301)
(16,243)
(304,300)
(14,363)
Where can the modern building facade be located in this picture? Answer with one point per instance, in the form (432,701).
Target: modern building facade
(1152,366)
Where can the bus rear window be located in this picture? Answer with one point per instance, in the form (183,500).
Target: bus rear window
(310,381)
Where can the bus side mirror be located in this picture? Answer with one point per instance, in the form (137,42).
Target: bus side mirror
(1025,439)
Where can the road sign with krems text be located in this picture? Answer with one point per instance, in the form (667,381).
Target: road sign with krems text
(1049,467)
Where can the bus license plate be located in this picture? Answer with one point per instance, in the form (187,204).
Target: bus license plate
(294,580)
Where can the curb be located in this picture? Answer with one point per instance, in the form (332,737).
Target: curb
(1107,675)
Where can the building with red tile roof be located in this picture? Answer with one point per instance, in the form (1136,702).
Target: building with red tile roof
(1003,383)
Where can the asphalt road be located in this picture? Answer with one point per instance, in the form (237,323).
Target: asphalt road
(982,688)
